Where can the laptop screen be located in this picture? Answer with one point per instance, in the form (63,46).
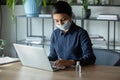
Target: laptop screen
(33,56)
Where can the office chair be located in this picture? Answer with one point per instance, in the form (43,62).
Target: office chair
(107,57)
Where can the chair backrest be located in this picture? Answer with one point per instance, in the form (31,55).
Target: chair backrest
(107,57)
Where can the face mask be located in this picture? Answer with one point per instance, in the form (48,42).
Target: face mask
(64,26)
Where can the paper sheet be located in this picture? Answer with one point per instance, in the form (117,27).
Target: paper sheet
(5,60)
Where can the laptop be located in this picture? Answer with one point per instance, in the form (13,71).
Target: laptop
(35,57)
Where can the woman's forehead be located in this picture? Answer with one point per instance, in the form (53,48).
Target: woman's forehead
(60,16)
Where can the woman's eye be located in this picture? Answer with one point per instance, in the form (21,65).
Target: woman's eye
(64,19)
(56,20)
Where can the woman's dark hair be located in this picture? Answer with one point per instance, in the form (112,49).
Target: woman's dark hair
(62,7)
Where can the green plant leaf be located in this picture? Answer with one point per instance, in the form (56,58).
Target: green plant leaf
(11,4)
(85,4)
(44,3)
(23,1)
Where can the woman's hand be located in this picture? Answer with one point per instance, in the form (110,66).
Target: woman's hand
(64,63)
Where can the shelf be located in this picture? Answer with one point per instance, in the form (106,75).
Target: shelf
(45,16)
(29,29)
(95,18)
(45,42)
(109,21)
(76,17)
(105,5)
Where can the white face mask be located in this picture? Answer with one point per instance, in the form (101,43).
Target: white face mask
(64,26)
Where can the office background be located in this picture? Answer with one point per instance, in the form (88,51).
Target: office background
(93,27)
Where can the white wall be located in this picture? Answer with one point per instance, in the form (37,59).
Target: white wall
(95,27)
(116,2)
(8,28)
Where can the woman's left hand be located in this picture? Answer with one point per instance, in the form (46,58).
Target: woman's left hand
(65,63)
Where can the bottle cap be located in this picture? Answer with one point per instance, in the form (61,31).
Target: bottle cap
(78,63)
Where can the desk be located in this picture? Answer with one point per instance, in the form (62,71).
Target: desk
(15,71)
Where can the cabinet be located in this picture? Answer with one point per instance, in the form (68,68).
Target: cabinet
(30,37)
(108,29)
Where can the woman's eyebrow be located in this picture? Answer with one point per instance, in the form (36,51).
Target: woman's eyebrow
(62,18)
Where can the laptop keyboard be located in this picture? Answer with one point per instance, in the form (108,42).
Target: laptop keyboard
(52,64)
(55,67)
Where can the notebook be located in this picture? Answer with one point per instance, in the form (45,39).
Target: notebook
(35,57)
(6,60)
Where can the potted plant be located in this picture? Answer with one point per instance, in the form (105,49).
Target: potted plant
(33,4)
(96,2)
(47,9)
(2,43)
(86,12)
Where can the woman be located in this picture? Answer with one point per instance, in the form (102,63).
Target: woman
(69,42)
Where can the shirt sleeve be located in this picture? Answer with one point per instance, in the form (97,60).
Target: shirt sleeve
(52,56)
(88,56)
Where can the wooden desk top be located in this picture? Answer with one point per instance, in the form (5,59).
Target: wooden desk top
(15,71)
